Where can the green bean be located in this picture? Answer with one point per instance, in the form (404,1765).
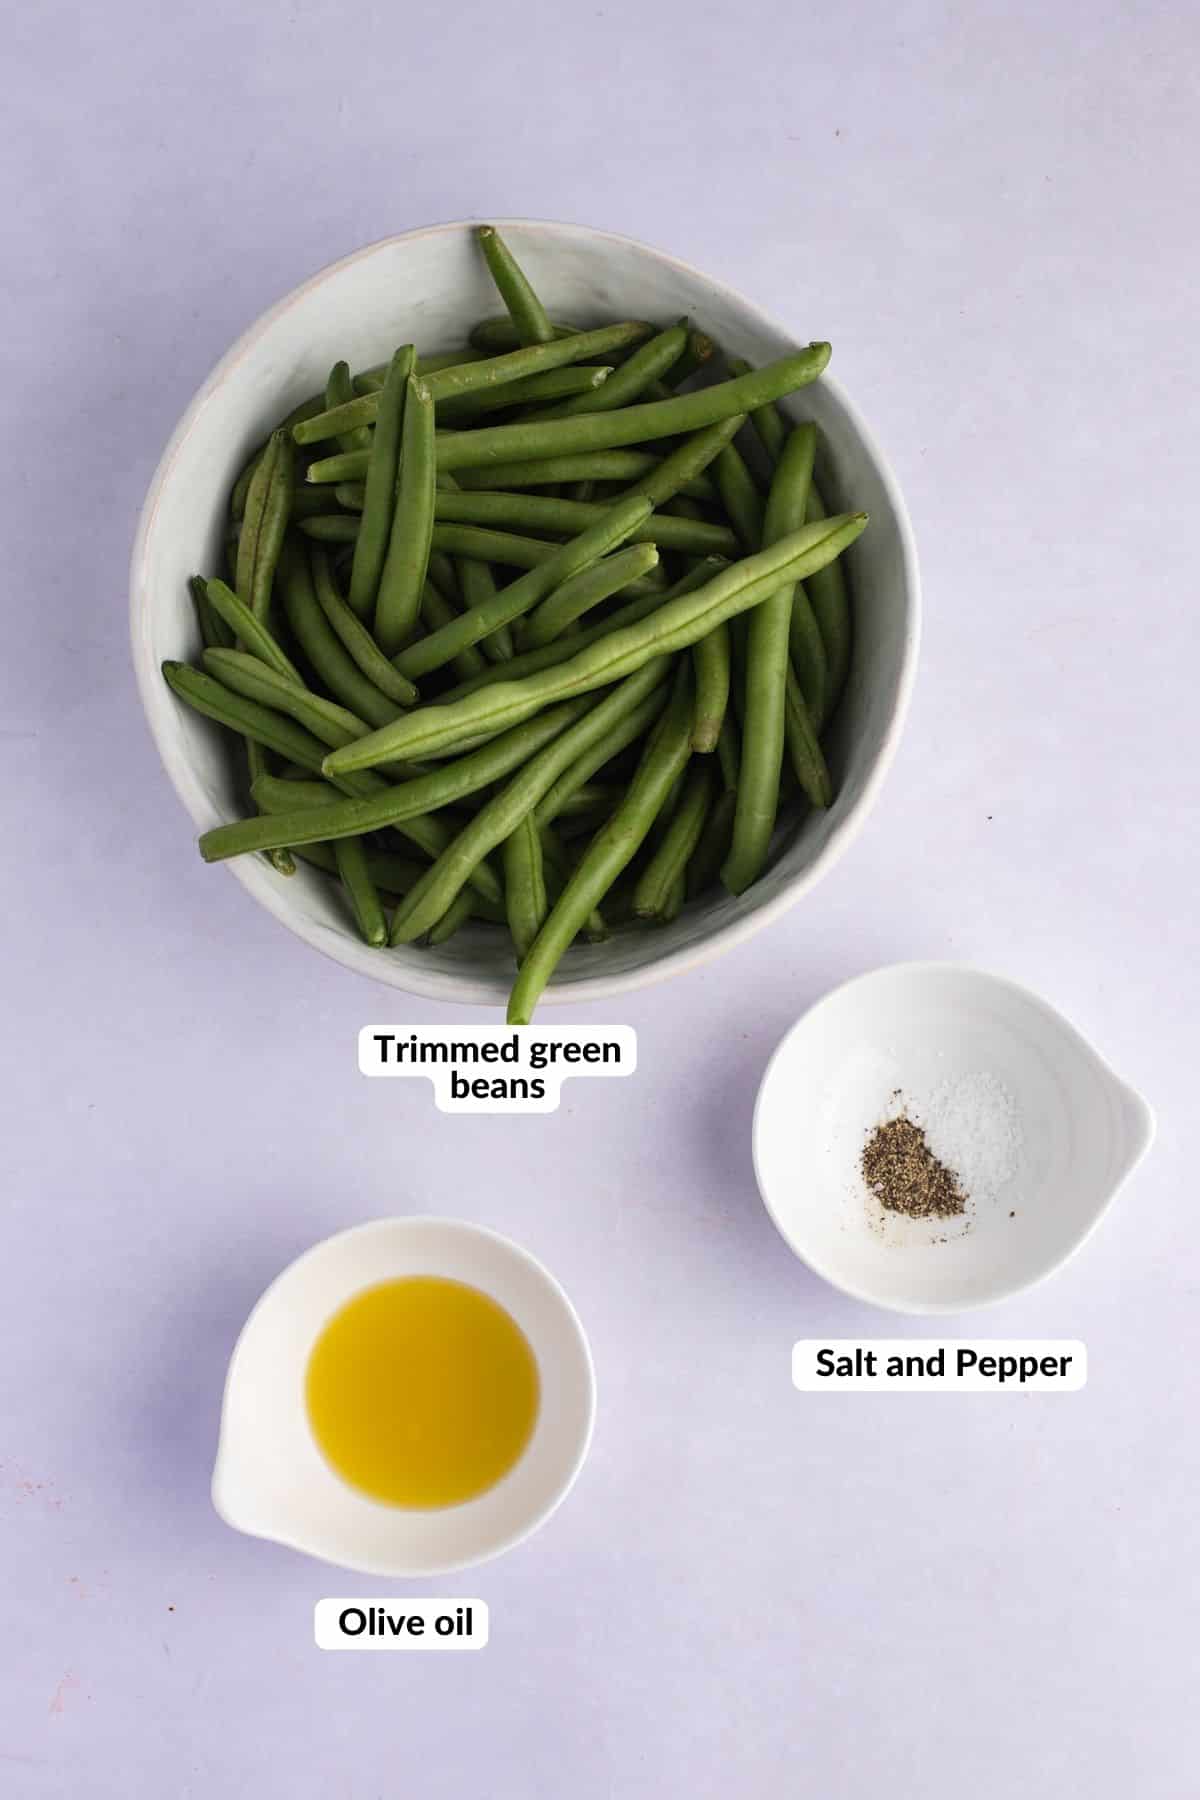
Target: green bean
(559,864)
(443,574)
(330,528)
(740,498)
(478,587)
(338,389)
(537,512)
(712,847)
(631,424)
(549,384)
(350,494)
(398,603)
(490,336)
(520,596)
(610,851)
(272,730)
(590,798)
(309,502)
(698,351)
(804,746)
(379,495)
(246,628)
(351,858)
(529,316)
(482,544)
(594,465)
(261,539)
(692,457)
(729,752)
(558,797)
(335,725)
(436,614)
(345,465)
(323,649)
(653,893)
(396,874)
(469,377)
(712,663)
(524,884)
(827,595)
(632,379)
(387,806)
(576,596)
(214,631)
(307,409)
(504,812)
(675,625)
(807,648)
(767,666)
(452,920)
(530,662)
(356,639)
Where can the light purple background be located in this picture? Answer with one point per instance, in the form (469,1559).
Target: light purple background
(990,210)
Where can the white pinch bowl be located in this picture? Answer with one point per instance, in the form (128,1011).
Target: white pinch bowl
(271,1480)
(897,1039)
(430,286)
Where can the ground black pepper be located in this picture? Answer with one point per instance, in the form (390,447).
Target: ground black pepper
(905,1176)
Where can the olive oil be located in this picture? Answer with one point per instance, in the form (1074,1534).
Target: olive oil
(422,1392)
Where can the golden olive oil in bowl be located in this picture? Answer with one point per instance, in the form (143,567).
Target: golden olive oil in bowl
(422,1392)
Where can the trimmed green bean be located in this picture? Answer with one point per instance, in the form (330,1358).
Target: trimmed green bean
(712,847)
(576,596)
(260,541)
(652,896)
(387,806)
(330,528)
(804,746)
(531,390)
(673,473)
(630,381)
(452,920)
(830,602)
(215,633)
(338,389)
(766,679)
(469,377)
(491,336)
(398,603)
(698,351)
(350,494)
(379,492)
(323,649)
(631,424)
(356,640)
(740,497)
(675,625)
(504,812)
(610,851)
(436,614)
(530,319)
(557,798)
(712,663)
(344,465)
(248,630)
(524,884)
(354,870)
(478,586)
(538,512)
(587,465)
(520,596)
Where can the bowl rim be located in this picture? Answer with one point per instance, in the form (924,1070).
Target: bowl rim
(1139,1107)
(375,1227)
(447,984)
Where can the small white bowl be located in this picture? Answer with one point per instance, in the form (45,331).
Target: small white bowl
(271,1480)
(1040,1130)
(431,286)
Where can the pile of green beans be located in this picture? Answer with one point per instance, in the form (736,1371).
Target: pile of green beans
(544,633)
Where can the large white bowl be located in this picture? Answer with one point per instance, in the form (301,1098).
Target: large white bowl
(429,286)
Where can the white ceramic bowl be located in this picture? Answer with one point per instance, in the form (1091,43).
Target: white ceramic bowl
(270,1479)
(1038,1127)
(431,286)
